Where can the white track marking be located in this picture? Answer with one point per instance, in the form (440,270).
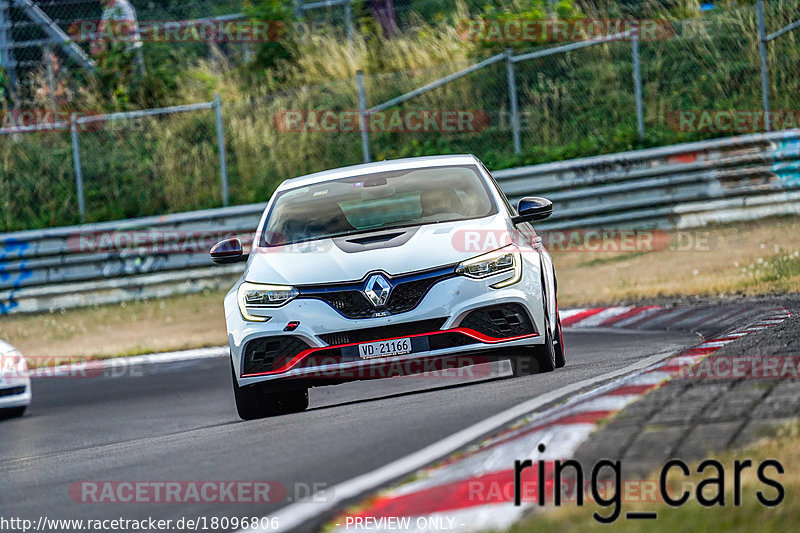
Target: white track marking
(561,441)
(564,314)
(650,378)
(604,403)
(645,312)
(712,344)
(298,513)
(124,362)
(602,316)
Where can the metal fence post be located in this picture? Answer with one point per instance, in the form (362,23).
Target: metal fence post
(76,159)
(513,101)
(362,115)
(348,15)
(51,78)
(7,61)
(223,160)
(55,33)
(762,45)
(637,83)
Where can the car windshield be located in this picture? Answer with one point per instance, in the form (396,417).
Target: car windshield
(377,201)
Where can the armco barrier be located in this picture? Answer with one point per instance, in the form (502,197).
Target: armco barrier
(680,186)
(47,269)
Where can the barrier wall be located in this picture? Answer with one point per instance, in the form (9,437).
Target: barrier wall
(671,187)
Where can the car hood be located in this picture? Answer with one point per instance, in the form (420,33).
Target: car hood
(431,246)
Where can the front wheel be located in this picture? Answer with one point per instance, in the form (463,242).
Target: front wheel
(536,359)
(558,343)
(12,412)
(254,402)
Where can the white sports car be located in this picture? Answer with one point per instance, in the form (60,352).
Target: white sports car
(406,264)
(15,382)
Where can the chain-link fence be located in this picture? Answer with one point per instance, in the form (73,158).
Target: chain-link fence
(545,97)
(113,166)
(779,53)
(697,79)
(275,136)
(42,40)
(467,115)
(37,186)
(145,164)
(44,43)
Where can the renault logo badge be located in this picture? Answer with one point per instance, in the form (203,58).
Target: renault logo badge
(377,290)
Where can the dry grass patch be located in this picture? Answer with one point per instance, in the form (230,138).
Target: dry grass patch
(130,328)
(745,258)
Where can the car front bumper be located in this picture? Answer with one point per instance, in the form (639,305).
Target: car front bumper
(451,299)
(9,398)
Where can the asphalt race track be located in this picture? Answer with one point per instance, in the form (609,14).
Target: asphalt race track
(177,422)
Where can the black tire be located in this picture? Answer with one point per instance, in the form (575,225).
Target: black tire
(256,402)
(535,359)
(558,343)
(294,401)
(12,412)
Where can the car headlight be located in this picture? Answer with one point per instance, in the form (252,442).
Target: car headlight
(494,263)
(255,296)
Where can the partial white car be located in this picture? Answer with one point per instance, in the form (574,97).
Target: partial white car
(15,382)
(403,264)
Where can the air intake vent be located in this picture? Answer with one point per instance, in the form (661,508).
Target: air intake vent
(12,391)
(500,321)
(270,353)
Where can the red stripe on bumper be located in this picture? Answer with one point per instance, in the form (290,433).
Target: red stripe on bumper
(464,331)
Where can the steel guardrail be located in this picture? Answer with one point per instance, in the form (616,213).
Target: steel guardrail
(671,187)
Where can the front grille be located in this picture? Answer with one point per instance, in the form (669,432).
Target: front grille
(500,321)
(270,353)
(351,302)
(435,341)
(384,332)
(13,391)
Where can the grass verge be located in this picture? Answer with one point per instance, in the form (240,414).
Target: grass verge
(747,258)
(129,328)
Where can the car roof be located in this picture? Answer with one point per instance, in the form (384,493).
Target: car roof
(379,166)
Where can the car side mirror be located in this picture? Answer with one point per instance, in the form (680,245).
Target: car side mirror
(533,208)
(228,251)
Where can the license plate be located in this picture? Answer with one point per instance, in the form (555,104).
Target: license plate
(370,350)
